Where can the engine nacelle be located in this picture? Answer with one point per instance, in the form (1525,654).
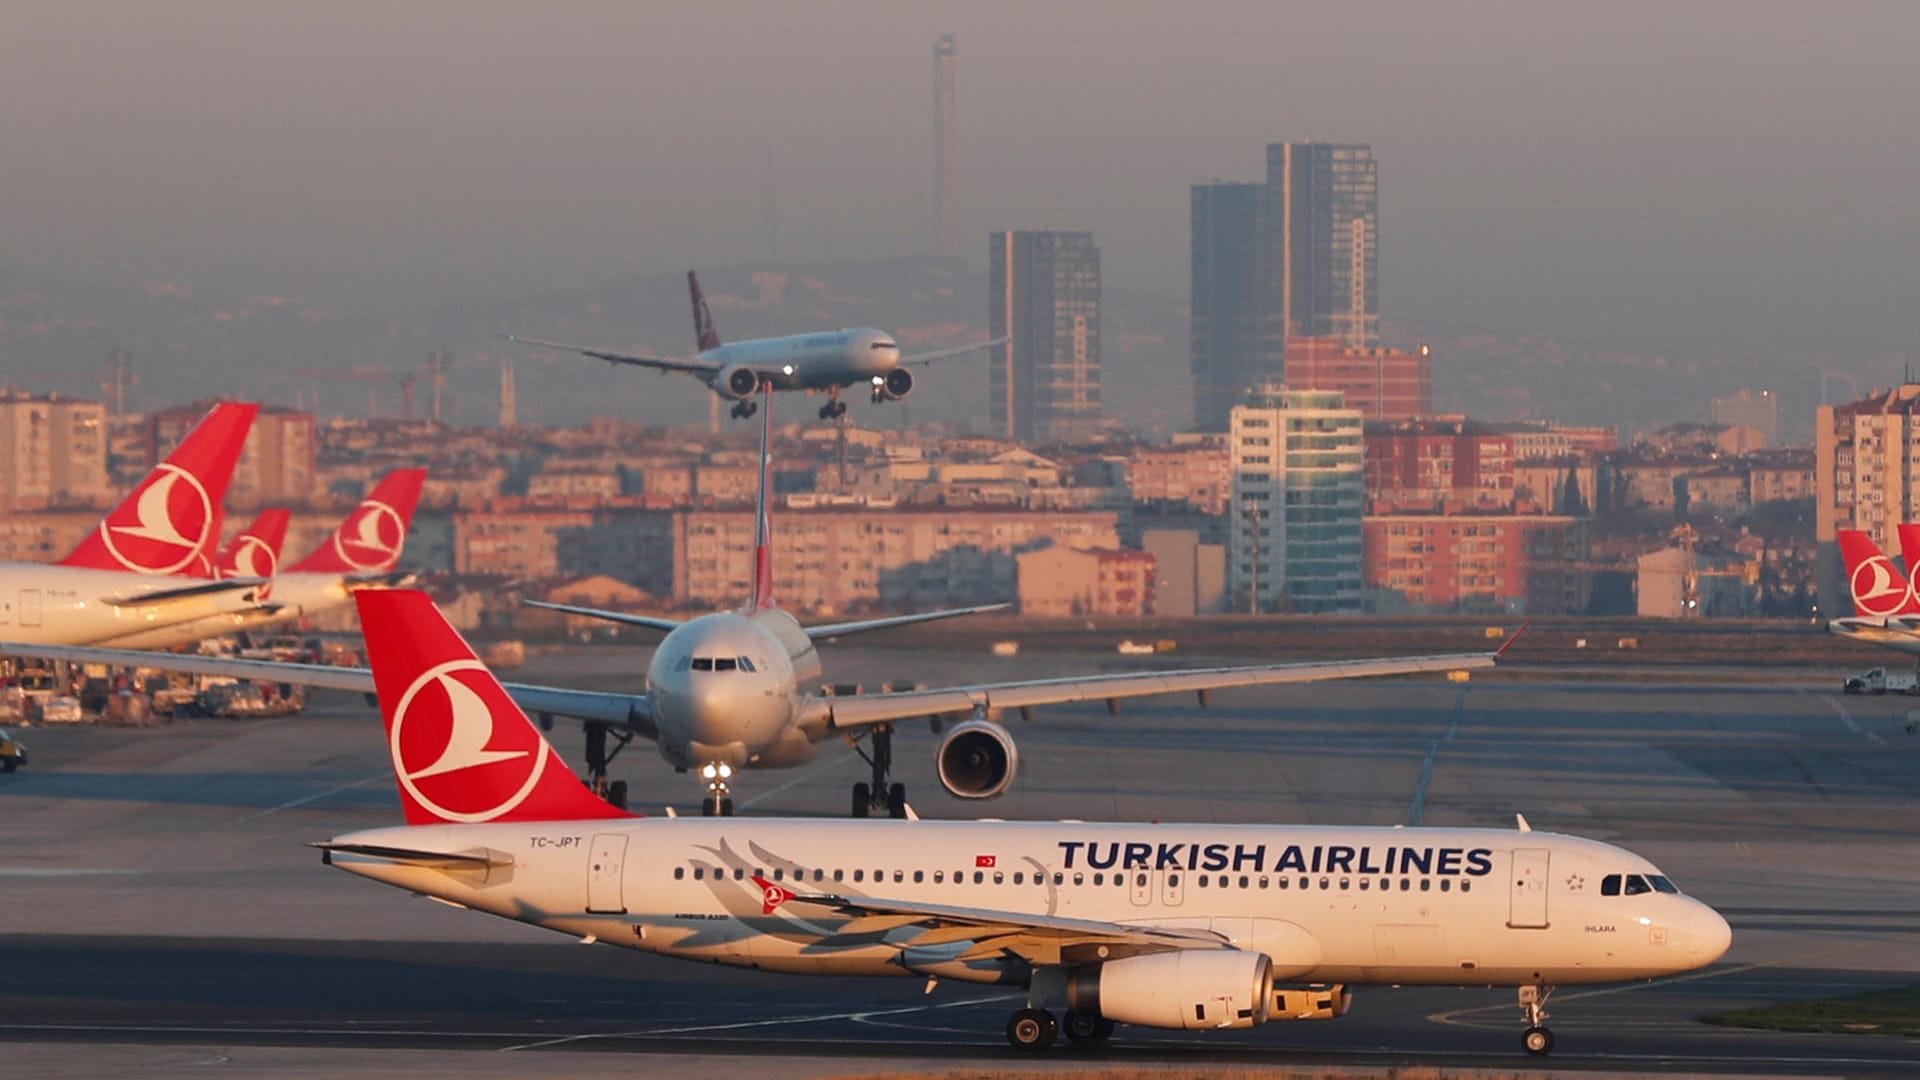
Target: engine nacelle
(737,381)
(1188,988)
(898,384)
(977,760)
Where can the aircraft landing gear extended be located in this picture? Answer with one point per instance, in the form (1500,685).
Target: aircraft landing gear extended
(1085,1027)
(719,801)
(1533,1003)
(744,409)
(834,409)
(1032,1029)
(866,795)
(599,757)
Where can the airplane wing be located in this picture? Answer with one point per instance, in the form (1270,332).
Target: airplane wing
(628,711)
(958,350)
(691,364)
(651,622)
(861,626)
(821,717)
(183,592)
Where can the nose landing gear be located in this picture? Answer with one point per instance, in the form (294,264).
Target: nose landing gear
(1533,1004)
(719,800)
(879,794)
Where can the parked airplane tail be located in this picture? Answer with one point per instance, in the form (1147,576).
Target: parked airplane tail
(704,333)
(171,522)
(256,551)
(1909,543)
(762,521)
(462,751)
(1877,586)
(370,539)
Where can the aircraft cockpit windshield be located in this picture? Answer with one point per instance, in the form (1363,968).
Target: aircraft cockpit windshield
(883,345)
(715,663)
(1635,884)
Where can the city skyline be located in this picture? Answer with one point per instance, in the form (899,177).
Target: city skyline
(1554,169)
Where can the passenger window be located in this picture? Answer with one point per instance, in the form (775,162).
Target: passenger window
(679,872)
(699,873)
(1661,884)
(1099,879)
(939,877)
(1000,877)
(1406,884)
(859,875)
(1426,884)
(1019,878)
(979,877)
(1059,878)
(1637,885)
(899,876)
(839,875)
(746,664)
(1364,886)
(1280,881)
(1446,884)
(819,874)
(1079,878)
(739,873)
(1263,882)
(703,663)
(1610,885)
(919,876)
(1323,883)
(778,873)
(1466,886)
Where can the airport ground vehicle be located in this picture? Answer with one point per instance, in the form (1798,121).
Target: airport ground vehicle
(12,754)
(1882,681)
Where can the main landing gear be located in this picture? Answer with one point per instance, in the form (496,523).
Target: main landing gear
(1083,1027)
(744,409)
(1032,1029)
(867,796)
(1533,1003)
(599,757)
(719,800)
(834,409)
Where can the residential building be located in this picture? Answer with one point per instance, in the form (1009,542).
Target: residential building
(1390,385)
(1294,543)
(1193,471)
(1061,582)
(1189,576)
(1044,383)
(277,467)
(1867,467)
(1438,465)
(1476,563)
(53,452)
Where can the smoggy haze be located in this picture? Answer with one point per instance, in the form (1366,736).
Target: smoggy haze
(1707,176)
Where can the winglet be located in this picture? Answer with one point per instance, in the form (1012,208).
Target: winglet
(462,750)
(1511,638)
(371,538)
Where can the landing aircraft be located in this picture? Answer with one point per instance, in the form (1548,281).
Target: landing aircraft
(829,362)
(728,691)
(1886,608)
(1195,927)
(121,580)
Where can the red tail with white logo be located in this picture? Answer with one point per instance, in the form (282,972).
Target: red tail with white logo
(369,541)
(704,333)
(171,522)
(1909,543)
(1878,588)
(256,551)
(463,752)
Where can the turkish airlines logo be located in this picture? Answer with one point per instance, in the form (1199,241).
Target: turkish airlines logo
(450,754)
(164,526)
(371,538)
(1878,589)
(771,895)
(252,557)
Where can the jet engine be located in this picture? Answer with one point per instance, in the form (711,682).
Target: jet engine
(737,381)
(1187,988)
(977,760)
(898,384)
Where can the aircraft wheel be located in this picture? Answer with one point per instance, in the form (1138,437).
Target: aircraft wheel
(862,800)
(1085,1027)
(726,807)
(706,807)
(1032,1029)
(9,764)
(617,794)
(1538,1041)
(897,801)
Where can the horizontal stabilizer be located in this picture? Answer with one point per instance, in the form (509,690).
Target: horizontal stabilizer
(443,860)
(182,592)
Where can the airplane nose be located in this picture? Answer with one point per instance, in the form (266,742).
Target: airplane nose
(1708,936)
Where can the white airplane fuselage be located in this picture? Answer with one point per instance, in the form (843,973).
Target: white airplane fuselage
(68,605)
(725,689)
(1328,904)
(1877,632)
(289,597)
(829,361)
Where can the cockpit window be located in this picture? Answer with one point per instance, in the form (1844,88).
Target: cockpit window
(884,345)
(1610,885)
(683,663)
(1636,885)
(1661,884)
(746,664)
(724,663)
(703,663)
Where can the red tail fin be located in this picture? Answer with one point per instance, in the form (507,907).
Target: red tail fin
(704,333)
(462,750)
(1878,587)
(256,551)
(1909,544)
(171,522)
(369,541)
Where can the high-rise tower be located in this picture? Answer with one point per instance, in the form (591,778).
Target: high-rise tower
(1044,383)
(1228,360)
(1319,243)
(943,53)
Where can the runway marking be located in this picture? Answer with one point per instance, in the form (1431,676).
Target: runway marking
(305,799)
(1426,767)
(1846,717)
(742,1025)
(52,872)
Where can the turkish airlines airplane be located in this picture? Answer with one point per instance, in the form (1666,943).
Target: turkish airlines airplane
(255,552)
(122,578)
(728,691)
(829,362)
(361,553)
(1886,609)
(1196,927)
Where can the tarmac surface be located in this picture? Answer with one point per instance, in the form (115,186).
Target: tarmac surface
(158,912)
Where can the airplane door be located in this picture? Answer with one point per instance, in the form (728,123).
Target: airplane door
(1141,882)
(29,607)
(606,863)
(1173,887)
(1528,893)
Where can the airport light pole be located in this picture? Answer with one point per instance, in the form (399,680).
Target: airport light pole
(1250,511)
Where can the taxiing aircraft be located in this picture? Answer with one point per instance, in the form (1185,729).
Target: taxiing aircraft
(122,579)
(1196,927)
(815,363)
(730,691)
(361,553)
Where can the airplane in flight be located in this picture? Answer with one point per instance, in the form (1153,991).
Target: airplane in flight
(1186,927)
(123,578)
(729,691)
(814,363)
(1885,605)
(361,553)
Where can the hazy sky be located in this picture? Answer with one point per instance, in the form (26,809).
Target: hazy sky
(1690,175)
